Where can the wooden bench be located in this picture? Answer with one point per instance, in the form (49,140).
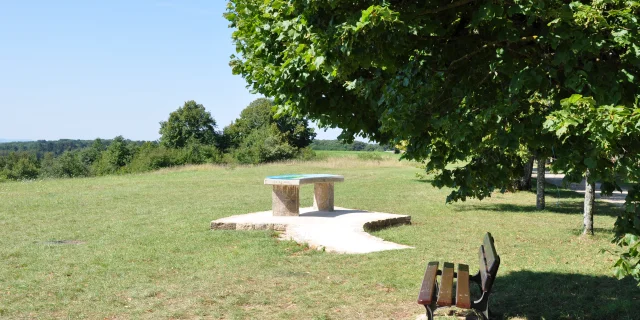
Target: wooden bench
(433,295)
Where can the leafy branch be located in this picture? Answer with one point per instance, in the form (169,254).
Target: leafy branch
(447,7)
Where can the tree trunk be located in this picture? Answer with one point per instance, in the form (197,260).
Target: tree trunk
(589,198)
(540,187)
(524,183)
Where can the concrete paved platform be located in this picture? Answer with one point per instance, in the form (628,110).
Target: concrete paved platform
(341,230)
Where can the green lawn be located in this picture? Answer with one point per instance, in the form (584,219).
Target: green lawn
(146,250)
(324,154)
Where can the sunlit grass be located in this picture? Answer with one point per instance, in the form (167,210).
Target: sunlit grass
(146,251)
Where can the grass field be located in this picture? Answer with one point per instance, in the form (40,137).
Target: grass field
(323,154)
(141,248)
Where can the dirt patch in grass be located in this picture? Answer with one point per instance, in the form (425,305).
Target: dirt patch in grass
(63,242)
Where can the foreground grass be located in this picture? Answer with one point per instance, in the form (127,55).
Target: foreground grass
(144,249)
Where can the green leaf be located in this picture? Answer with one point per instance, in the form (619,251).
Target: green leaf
(590,162)
(619,33)
(554,21)
(630,77)
(318,62)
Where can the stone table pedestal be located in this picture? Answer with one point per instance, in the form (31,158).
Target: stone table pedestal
(323,196)
(286,192)
(286,200)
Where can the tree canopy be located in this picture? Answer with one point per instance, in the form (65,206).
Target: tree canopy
(260,113)
(191,122)
(456,80)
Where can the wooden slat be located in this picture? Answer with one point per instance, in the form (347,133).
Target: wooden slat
(463,298)
(484,274)
(489,262)
(489,251)
(427,290)
(445,297)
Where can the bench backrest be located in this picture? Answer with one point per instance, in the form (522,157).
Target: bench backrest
(489,262)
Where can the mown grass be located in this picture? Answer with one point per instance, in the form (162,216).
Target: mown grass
(146,251)
(356,154)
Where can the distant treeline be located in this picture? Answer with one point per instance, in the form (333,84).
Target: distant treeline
(56,147)
(98,157)
(337,145)
(189,136)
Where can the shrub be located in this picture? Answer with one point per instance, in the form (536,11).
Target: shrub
(116,156)
(262,113)
(264,144)
(150,156)
(307,154)
(197,153)
(19,166)
(67,165)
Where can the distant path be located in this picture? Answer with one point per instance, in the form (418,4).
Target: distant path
(556,179)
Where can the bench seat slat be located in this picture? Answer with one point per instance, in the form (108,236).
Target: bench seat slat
(463,297)
(445,297)
(427,290)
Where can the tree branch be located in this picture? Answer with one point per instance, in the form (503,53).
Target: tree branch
(484,79)
(468,55)
(447,7)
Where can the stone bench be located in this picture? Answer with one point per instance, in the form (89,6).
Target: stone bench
(286,192)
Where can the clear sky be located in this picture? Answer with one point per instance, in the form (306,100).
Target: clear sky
(85,69)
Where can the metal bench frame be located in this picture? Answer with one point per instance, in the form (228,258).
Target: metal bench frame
(433,298)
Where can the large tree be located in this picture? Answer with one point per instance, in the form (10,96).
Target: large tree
(458,80)
(191,122)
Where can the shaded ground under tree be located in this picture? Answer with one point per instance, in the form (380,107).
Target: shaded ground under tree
(548,295)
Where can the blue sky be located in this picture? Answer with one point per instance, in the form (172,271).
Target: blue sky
(88,69)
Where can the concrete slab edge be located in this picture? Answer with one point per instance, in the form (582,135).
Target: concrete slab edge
(368,226)
(215,225)
(386,223)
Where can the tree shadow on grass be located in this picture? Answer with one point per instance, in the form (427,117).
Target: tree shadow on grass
(558,200)
(546,295)
(564,207)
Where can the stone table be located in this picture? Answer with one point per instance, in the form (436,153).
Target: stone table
(286,192)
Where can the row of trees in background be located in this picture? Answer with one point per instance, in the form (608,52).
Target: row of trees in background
(189,136)
(100,158)
(41,147)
